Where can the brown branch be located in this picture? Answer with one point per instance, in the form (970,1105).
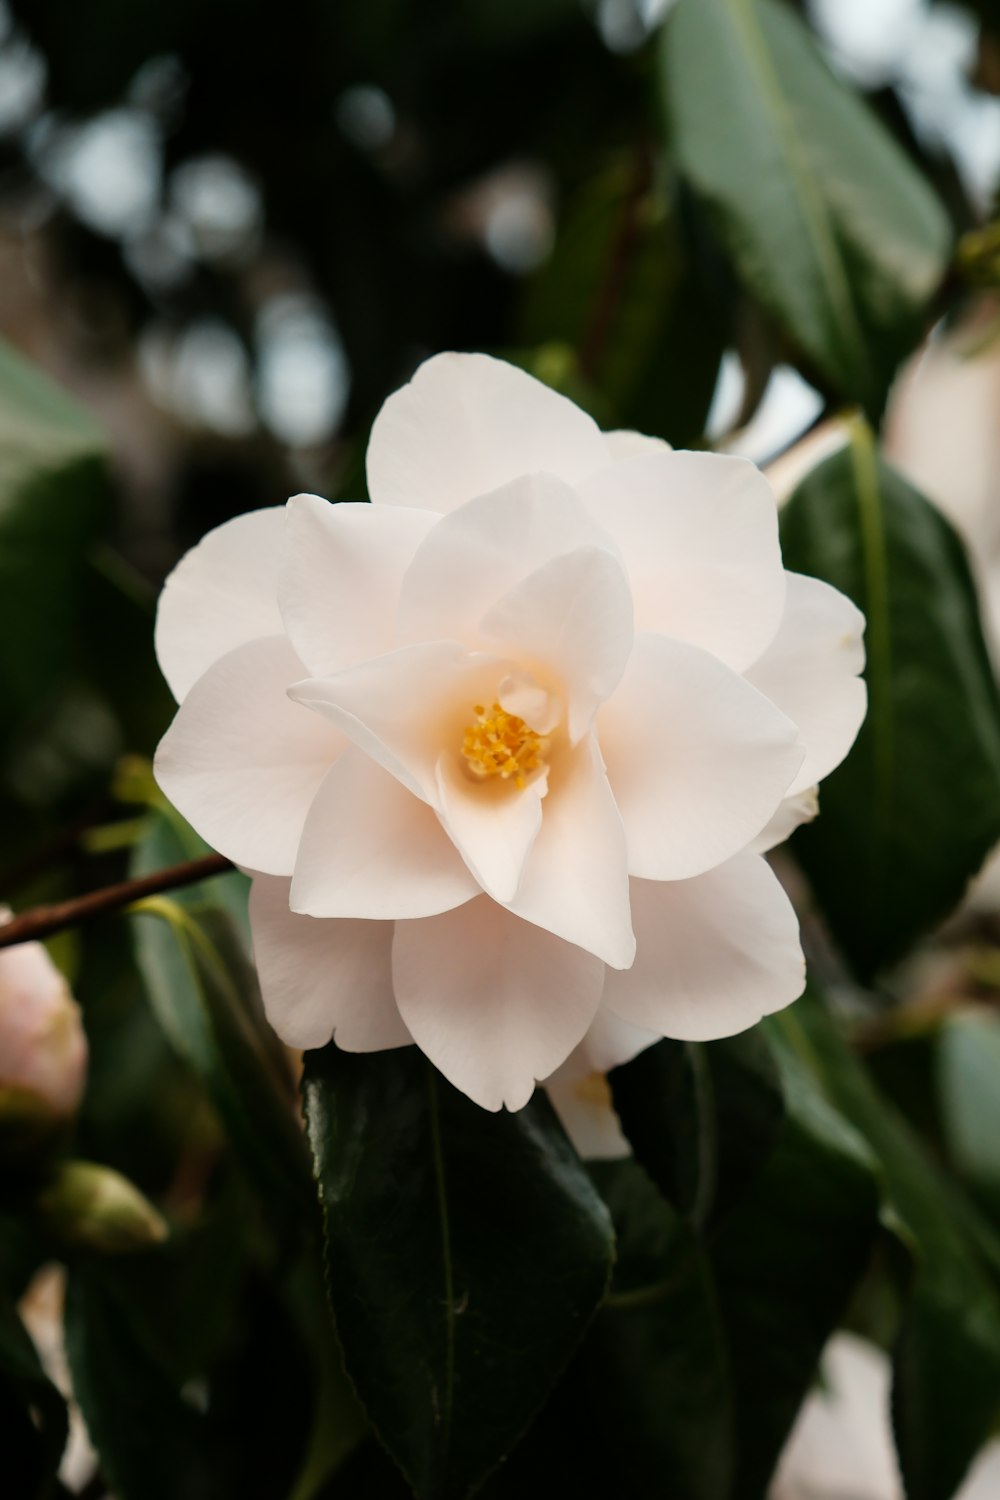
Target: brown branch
(43,921)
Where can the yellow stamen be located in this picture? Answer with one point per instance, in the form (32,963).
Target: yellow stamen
(501,744)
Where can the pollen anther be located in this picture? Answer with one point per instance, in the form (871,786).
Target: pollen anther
(501,744)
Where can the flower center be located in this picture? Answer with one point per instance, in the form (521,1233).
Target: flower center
(501,744)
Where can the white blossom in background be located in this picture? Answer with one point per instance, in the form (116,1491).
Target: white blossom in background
(43,1049)
(841,1446)
(504,749)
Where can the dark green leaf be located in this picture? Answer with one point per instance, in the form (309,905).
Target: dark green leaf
(946,1391)
(786,1261)
(205,996)
(622,297)
(659,1351)
(702,1118)
(53,492)
(827,222)
(912,813)
(150,1442)
(466,1251)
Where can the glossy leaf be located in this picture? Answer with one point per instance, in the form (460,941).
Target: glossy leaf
(53,497)
(466,1253)
(786,1262)
(659,1350)
(825,219)
(946,1390)
(702,1118)
(912,813)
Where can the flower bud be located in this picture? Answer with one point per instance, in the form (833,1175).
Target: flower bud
(43,1049)
(93,1207)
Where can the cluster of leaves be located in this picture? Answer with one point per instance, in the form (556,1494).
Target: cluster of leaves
(510,1320)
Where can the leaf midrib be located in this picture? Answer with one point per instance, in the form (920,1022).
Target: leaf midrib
(815,213)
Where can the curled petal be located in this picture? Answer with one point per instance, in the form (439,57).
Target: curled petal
(494,827)
(575,880)
(406,707)
(587,1114)
(242,762)
(624,443)
(698,759)
(494,1002)
(699,535)
(715,954)
(323,978)
(791,814)
(371,849)
(574,615)
(810,670)
(467,424)
(221,594)
(340,580)
(477,554)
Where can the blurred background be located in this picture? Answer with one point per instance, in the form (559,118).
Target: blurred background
(231,229)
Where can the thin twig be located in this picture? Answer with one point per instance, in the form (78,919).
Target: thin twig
(619,265)
(43,921)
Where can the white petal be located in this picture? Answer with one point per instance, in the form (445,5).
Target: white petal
(323,978)
(792,813)
(221,594)
(371,849)
(609,1043)
(476,555)
(588,1116)
(492,824)
(466,424)
(699,535)
(810,671)
(574,616)
(575,880)
(494,1002)
(408,707)
(624,442)
(340,582)
(698,759)
(242,762)
(715,954)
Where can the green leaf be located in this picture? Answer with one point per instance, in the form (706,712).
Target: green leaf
(150,1442)
(205,996)
(53,495)
(968,1085)
(946,1392)
(826,220)
(658,1350)
(466,1254)
(913,811)
(32,1412)
(622,297)
(786,1262)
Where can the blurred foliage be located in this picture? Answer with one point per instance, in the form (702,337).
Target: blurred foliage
(653,1326)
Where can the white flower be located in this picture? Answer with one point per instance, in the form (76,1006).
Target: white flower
(841,1446)
(43,1049)
(504,746)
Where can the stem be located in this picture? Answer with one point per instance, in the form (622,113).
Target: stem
(43,921)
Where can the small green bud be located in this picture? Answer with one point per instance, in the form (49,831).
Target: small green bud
(94,1207)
